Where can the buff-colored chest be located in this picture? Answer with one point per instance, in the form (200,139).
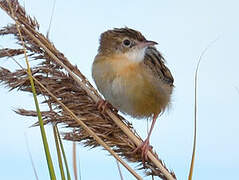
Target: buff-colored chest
(130,86)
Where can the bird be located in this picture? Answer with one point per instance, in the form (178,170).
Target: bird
(132,76)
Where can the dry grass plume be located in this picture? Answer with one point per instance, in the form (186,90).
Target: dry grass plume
(71,88)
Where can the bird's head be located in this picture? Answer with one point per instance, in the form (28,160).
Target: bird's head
(124,41)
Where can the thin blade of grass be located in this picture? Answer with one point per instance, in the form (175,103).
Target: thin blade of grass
(30,156)
(52,13)
(43,134)
(195,109)
(74,160)
(79,169)
(58,152)
(120,172)
(64,155)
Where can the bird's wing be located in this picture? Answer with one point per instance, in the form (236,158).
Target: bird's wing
(155,61)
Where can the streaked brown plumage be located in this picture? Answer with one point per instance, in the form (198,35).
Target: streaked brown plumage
(131,74)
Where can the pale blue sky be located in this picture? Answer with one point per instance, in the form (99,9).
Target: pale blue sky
(182,29)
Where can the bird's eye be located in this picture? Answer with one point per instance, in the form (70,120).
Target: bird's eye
(126,43)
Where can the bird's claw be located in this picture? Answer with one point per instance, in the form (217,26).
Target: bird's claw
(102,105)
(144,147)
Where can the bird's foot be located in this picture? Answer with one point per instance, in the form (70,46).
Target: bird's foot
(102,105)
(144,147)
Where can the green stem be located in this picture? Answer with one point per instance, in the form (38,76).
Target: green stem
(58,152)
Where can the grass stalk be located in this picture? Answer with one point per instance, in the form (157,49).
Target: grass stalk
(190,176)
(64,155)
(31,159)
(74,157)
(43,133)
(58,149)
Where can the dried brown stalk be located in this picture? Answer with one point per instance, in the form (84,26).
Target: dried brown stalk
(74,91)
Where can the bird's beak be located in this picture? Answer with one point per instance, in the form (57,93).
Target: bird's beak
(146,43)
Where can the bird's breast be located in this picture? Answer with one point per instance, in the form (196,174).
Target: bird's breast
(129,87)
